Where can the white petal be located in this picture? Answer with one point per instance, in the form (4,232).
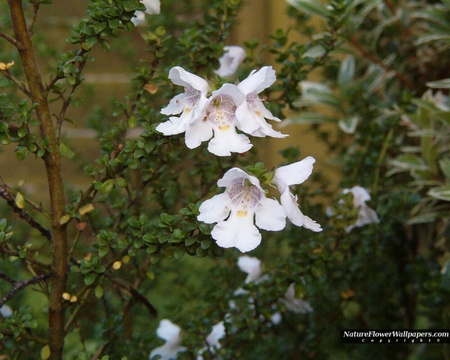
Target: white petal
(231,90)
(166,352)
(239,232)
(293,174)
(168,331)
(217,333)
(176,105)
(215,209)
(270,215)
(198,132)
(173,126)
(152,6)
(184,78)
(228,141)
(294,214)
(230,61)
(138,18)
(360,195)
(235,173)
(251,266)
(6,311)
(366,216)
(258,81)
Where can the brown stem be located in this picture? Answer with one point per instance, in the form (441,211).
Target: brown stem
(52,162)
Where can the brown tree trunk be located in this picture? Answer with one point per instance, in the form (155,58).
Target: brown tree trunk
(52,162)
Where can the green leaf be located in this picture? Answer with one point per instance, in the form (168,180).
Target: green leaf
(349,124)
(346,72)
(66,151)
(21,153)
(441,192)
(310,6)
(90,278)
(315,52)
(439,84)
(444,164)
(106,187)
(98,292)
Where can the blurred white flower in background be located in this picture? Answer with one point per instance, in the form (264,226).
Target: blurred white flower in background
(151,7)
(169,332)
(230,61)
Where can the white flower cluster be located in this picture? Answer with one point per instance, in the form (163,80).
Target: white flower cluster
(244,206)
(216,117)
(171,332)
(252,266)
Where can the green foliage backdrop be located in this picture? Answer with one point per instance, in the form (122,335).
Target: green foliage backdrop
(91,270)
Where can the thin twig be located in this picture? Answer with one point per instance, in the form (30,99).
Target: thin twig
(4,193)
(36,5)
(16,81)
(13,41)
(19,285)
(25,335)
(31,260)
(137,295)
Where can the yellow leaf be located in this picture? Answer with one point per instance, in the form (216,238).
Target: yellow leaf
(86,209)
(64,219)
(20,200)
(45,352)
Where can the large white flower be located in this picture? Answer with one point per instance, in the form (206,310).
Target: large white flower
(151,7)
(230,61)
(190,104)
(219,123)
(238,209)
(171,333)
(366,215)
(251,114)
(295,174)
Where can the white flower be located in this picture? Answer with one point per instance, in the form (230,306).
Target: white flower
(366,215)
(219,123)
(190,104)
(238,209)
(251,114)
(6,311)
(295,174)
(295,305)
(230,61)
(151,7)
(251,266)
(217,333)
(171,333)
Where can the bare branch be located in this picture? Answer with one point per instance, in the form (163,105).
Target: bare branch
(10,39)
(19,285)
